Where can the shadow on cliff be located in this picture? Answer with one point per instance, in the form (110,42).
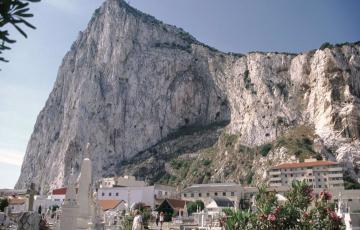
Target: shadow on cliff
(150,164)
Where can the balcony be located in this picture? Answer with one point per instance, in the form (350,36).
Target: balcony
(340,175)
(275,179)
(275,184)
(273,173)
(336,182)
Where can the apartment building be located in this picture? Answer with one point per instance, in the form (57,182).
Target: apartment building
(319,174)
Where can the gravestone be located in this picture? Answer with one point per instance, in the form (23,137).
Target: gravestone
(29,221)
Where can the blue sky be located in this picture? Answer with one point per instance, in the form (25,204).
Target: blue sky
(228,25)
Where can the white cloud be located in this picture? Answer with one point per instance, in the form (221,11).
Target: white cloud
(11,157)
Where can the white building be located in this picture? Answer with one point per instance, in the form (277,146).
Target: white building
(131,195)
(17,205)
(206,192)
(319,174)
(125,181)
(217,204)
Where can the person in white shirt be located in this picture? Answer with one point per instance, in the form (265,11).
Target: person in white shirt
(138,221)
(161,219)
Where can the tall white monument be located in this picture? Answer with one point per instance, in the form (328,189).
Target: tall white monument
(85,195)
(68,220)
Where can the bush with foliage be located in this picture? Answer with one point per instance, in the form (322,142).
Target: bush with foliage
(265,149)
(326,45)
(194,206)
(301,211)
(3,204)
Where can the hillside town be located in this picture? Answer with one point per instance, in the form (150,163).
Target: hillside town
(108,202)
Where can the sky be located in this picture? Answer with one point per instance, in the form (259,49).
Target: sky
(229,25)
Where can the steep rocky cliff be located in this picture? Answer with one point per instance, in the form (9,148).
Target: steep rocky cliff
(156,103)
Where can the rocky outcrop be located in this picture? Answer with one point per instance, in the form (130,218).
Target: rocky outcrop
(144,94)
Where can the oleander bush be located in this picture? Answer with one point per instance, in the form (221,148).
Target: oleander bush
(301,211)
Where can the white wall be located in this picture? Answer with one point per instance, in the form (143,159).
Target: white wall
(17,208)
(129,194)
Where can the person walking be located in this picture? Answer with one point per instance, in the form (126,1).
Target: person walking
(157,219)
(138,221)
(161,219)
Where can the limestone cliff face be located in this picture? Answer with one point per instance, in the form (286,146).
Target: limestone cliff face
(144,93)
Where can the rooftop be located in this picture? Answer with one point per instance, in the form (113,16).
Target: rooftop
(305,164)
(60,191)
(223,202)
(16,201)
(213,185)
(109,204)
(176,203)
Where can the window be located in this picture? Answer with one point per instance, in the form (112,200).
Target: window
(319,186)
(325,179)
(192,194)
(117,194)
(215,193)
(291,175)
(319,179)
(232,194)
(102,194)
(184,194)
(199,194)
(207,194)
(109,193)
(165,193)
(224,193)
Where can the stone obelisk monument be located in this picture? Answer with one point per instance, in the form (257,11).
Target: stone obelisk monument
(70,207)
(85,194)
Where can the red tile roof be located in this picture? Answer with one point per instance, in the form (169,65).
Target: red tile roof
(176,204)
(109,204)
(61,191)
(305,164)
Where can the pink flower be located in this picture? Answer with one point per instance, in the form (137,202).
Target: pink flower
(334,216)
(271,217)
(306,215)
(325,195)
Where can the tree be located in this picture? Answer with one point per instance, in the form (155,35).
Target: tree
(194,206)
(297,213)
(3,204)
(13,12)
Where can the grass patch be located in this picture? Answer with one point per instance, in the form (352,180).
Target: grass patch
(299,142)
(229,139)
(206,162)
